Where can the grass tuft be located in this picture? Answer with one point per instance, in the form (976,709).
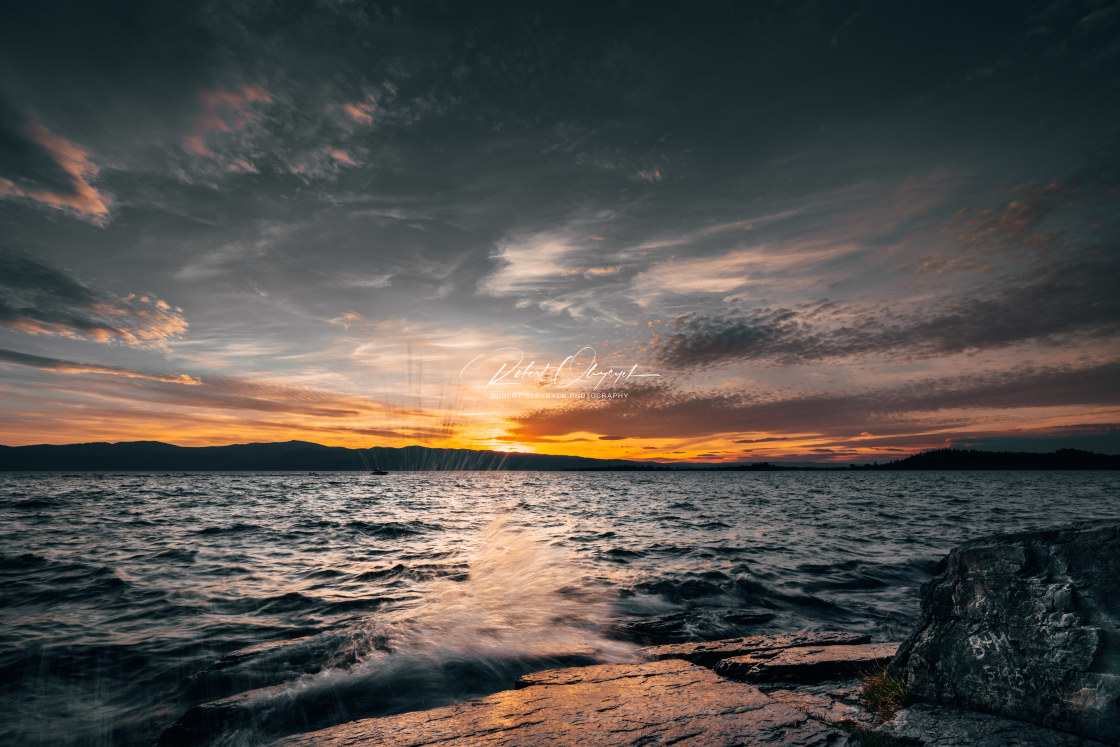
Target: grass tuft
(883,695)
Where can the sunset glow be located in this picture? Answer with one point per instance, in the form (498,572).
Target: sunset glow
(474,251)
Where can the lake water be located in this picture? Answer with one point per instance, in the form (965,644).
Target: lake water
(130,598)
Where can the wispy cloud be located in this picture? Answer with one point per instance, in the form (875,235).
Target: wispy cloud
(724,273)
(259,241)
(38,298)
(224,111)
(1063,304)
(15,358)
(342,156)
(82,198)
(915,408)
(361,111)
(531,263)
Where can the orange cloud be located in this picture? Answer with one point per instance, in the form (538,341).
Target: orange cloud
(37,298)
(342,157)
(226,111)
(361,112)
(195,144)
(229,110)
(8,187)
(242,166)
(82,199)
(14,358)
(121,404)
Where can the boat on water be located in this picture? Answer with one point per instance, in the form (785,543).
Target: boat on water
(369,462)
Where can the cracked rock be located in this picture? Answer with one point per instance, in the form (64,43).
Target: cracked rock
(808,663)
(1025,626)
(932,725)
(656,703)
(708,653)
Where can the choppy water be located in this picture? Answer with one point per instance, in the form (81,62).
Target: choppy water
(129,598)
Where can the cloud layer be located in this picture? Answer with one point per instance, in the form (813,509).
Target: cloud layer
(812,236)
(38,298)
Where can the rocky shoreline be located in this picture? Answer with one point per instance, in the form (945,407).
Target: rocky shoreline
(1018,644)
(796,689)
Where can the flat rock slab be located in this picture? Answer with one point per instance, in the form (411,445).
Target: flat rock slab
(707,653)
(834,701)
(808,663)
(932,725)
(656,703)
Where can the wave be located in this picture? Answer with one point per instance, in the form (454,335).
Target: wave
(522,605)
(177,554)
(34,504)
(231,529)
(392,529)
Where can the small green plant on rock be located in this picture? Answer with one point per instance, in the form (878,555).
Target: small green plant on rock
(883,695)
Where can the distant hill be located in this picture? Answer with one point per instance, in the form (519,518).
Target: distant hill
(969,459)
(268,457)
(305,456)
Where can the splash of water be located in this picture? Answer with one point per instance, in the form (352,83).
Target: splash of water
(525,605)
(525,596)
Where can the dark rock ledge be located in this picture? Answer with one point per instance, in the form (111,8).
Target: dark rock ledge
(1025,626)
(1018,634)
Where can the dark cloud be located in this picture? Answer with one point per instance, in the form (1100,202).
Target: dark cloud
(660,412)
(38,298)
(63,366)
(274,166)
(213,392)
(1064,303)
(1102,439)
(1048,264)
(26,162)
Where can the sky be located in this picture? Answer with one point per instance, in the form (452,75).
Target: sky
(713,231)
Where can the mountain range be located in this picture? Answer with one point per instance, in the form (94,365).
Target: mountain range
(307,456)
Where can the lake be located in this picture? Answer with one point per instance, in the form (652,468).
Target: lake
(129,598)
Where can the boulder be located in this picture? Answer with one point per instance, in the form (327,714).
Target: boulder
(1025,626)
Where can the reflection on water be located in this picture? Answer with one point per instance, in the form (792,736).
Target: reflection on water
(130,598)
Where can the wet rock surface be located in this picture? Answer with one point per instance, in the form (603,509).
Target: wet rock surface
(931,725)
(281,709)
(708,653)
(1025,626)
(662,702)
(1018,642)
(674,701)
(808,663)
(832,701)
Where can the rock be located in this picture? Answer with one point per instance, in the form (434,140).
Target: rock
(1025,626)
(399,683)
(945,726)
(200,724)
(661,702)
(836,702)
(709,652)
(808,663)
